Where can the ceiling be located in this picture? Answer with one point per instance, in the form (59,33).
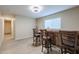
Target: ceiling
(24,10)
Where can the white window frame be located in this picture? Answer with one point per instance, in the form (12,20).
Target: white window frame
(51,25)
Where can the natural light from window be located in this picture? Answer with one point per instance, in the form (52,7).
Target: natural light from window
(53,23)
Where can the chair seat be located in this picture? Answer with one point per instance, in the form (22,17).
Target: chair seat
(37,35)
(44,37)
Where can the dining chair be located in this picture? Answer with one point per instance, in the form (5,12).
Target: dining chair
(36,37)
(52,35)
(68,42)
(46,41)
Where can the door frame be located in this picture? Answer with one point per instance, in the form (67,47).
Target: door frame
(12,27)
(2,29)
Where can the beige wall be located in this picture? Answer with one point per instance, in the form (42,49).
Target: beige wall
(69,19)
(23,27)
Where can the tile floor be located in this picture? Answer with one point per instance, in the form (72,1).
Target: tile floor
(23,46)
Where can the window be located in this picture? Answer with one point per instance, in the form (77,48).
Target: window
(53,23)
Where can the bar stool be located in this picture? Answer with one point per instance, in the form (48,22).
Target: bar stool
(36,37)
(46,41)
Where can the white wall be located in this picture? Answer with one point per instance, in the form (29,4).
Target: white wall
(69,19)
(23,27)
(1,31)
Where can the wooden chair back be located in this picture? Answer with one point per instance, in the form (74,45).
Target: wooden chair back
(69,39)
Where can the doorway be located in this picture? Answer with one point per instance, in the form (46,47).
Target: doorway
(7,30)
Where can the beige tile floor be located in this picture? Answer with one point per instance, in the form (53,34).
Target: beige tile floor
(23,46)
